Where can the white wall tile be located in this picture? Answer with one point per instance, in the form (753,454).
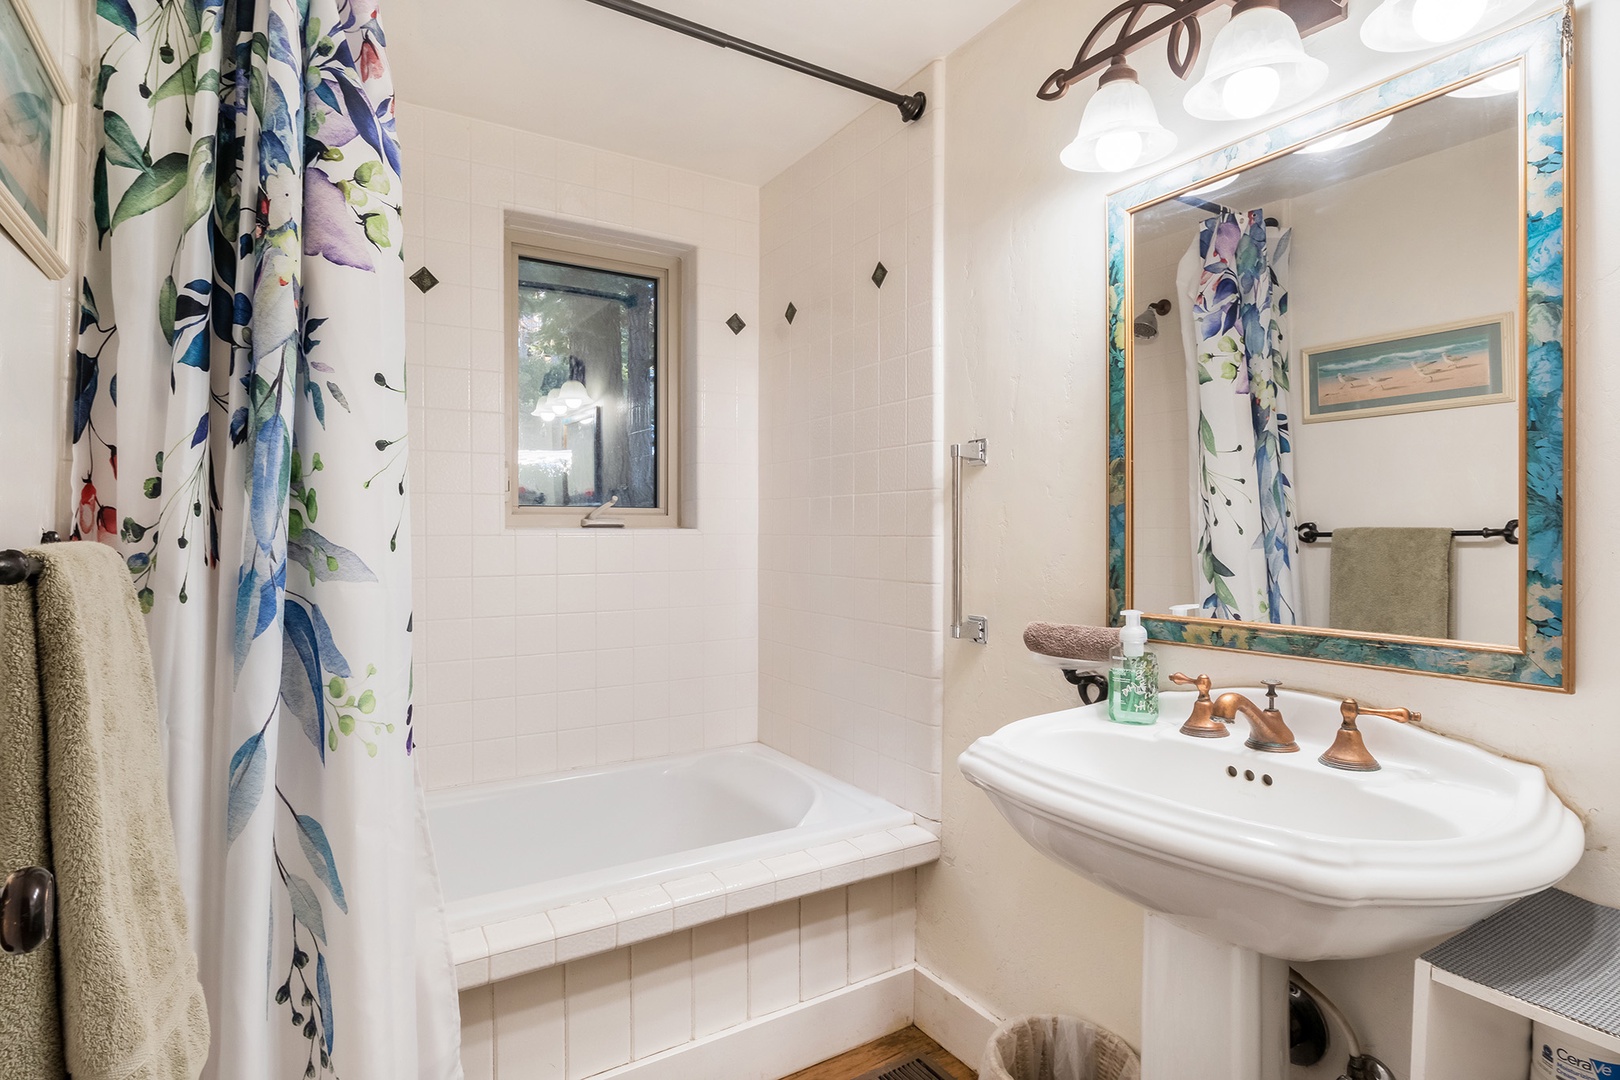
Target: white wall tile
(478,1034)
(597,1013)
(773,958)
(905,918)
(660,994)
(720,975)
(529,1027)
(823,943)
(852,458)
(871,928)
(523,600)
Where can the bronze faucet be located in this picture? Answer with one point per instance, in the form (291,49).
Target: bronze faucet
(1267,731)
(1201,724)
(1349,751)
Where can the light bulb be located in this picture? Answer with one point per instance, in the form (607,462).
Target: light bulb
(1118,151)
(545,414)
(1251,92)
(573,394)
(1446,20)
(1343,139)
(1120,129)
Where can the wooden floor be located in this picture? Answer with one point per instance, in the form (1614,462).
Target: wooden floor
(886,1052)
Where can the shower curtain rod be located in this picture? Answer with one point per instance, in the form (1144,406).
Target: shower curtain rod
(911,107)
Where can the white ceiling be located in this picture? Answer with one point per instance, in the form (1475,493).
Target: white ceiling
(576,71)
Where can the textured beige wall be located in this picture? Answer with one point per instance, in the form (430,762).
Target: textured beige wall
(36,348)
(1025,327)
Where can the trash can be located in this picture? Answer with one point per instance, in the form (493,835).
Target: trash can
(1057,1048)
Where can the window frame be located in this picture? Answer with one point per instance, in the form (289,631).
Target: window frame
(619,256)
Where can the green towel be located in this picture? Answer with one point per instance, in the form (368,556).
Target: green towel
(132,1008)
(1391,581)
(30,1027)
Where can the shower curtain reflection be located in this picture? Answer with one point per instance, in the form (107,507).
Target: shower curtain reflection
(1240,410)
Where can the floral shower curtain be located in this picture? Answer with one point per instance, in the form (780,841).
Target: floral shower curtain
(239,427)
(1244,546)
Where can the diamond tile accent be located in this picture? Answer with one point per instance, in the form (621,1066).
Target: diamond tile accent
(423,279)
(879,274)
(791,313)
(736,323)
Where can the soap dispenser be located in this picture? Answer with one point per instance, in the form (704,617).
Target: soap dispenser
(1133,676)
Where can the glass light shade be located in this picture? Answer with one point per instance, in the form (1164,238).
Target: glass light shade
(573,394)
(1503,82)
(1341,139)
(1410,25)
(1257,64)
(1119,130)
(1210,189)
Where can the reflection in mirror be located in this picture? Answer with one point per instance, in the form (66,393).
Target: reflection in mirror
(587,385)
(1342,347)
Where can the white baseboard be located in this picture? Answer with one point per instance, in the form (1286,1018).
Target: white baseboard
(813,1031)
(785,1042)
(952,1019)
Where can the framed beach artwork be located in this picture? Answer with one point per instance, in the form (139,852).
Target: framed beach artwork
(1446,367)
(36,137)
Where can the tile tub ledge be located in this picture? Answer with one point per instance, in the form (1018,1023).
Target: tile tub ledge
(504,950)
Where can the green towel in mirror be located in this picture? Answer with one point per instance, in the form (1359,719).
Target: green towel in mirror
(1391,581)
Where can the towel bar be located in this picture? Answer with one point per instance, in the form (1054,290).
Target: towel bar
(28,897)
(16,567)
(1310,533)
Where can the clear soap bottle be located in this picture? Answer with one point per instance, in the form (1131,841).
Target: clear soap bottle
(1133,676)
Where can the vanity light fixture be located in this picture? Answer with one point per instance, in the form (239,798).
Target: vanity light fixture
(1257,65)
(1410,25)
(1341,139)
(573,394)
(1120,129)
(549,407)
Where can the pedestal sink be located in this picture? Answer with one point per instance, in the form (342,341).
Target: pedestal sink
(1247,860)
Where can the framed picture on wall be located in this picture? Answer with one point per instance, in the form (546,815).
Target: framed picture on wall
(1445,367)
(36,139)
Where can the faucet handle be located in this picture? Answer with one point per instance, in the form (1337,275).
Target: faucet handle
(1272,686)
(1349,750)
(1202,682)
(1403,716)
(1201,722)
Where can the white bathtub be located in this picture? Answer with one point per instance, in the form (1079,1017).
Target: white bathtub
(512,849)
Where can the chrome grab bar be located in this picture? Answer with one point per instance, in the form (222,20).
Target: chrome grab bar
(977,627)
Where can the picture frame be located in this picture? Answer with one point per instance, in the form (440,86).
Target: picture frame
(37,141)
(1442,367)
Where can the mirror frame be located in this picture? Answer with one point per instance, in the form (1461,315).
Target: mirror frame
(1543,658)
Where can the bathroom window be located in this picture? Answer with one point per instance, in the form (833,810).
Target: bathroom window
(593,333)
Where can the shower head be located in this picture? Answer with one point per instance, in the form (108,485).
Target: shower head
(1147,323)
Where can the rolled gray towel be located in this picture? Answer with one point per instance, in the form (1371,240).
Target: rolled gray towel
(1070,642)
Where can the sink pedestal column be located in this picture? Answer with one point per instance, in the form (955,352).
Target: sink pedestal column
(1210,1010)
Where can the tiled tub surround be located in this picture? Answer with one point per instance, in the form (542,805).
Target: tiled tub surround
(753,995)
(853,455)
(549,871)
(550,649)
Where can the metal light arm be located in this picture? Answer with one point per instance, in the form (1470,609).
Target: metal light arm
(1180,21)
